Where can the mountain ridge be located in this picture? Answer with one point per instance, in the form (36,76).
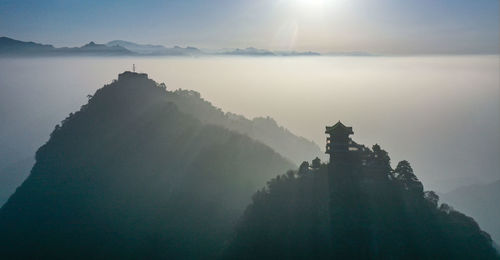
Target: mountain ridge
(264,130)
(12,47)
(129,164)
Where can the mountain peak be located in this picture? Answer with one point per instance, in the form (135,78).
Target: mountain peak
(90,44)
(131,165)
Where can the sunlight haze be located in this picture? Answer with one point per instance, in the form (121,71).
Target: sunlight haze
(445,120)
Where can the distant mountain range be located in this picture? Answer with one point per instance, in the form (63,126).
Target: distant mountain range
(148,49)
(481,202)
(262,52)
(12,47)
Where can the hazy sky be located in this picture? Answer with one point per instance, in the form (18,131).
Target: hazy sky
(381,26)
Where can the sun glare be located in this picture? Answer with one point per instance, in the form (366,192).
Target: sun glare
(314,7)
(311,3)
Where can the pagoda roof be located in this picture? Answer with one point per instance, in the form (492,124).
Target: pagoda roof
(339,127)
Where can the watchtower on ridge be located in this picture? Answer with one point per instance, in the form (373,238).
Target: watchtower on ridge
(337,144)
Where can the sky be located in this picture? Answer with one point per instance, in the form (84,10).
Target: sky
(379,27)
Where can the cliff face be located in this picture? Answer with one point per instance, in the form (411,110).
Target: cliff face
(129,175)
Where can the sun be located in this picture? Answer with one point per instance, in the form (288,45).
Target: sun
(319,3)
(315,6)
(309,8)
(311,3)
(312,9)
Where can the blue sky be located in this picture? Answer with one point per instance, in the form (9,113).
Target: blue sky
(381,26)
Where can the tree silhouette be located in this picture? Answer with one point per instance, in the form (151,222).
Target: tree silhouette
(404,174)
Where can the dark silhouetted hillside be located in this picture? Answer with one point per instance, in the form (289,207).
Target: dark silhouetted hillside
(265,130)
(356,208)
(131,176)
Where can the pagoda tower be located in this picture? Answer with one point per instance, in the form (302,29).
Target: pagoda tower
(337,143)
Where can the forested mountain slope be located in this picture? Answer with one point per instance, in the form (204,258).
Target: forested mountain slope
(361,209)
(263,129)
(130,176)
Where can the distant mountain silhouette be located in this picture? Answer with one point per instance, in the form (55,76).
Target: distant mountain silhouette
(297,53)
(132,176)
(480,202)
(147,49)
(351,53)
(93,48)
(251,51)
(11,47)
(138,48)
(354,207)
